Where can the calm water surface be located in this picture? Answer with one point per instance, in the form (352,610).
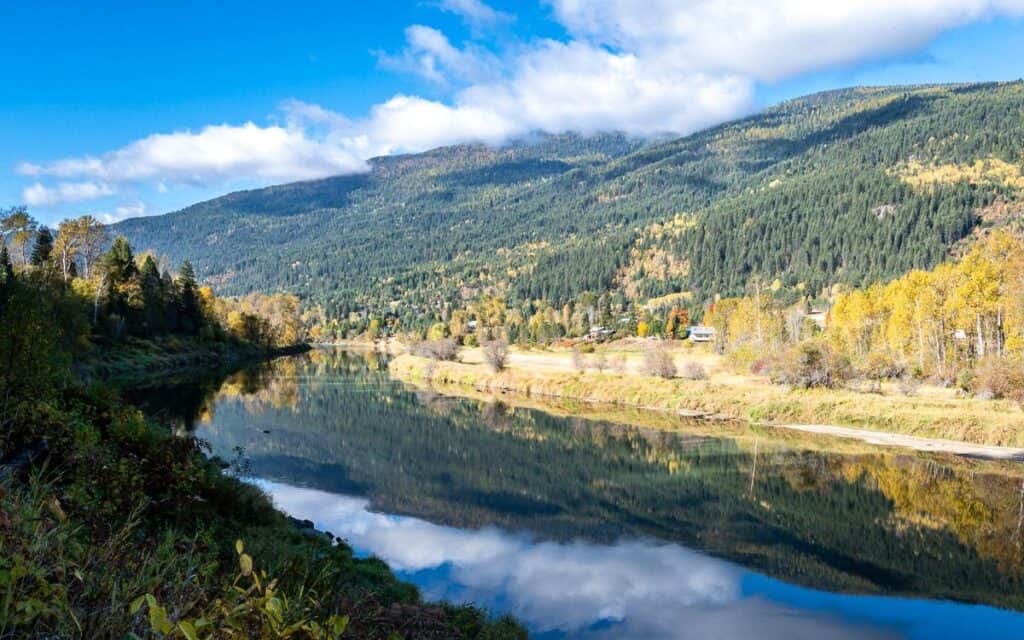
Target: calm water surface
(595,529)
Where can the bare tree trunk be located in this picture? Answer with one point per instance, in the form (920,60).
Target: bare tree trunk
(96,300)
(1000,336)
(64,263)
(920,344)
(757,303)
(981,336)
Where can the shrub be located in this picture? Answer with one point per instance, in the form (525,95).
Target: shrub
(909,386)
(658,362)
(965,380)
(577,359)
(998,378)
(694,371)
(810,364)
(599,362)
(496,354)
(881,366)
(444,349)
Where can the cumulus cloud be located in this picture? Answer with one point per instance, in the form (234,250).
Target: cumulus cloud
(638,66)
(217,152)
(771,39)
(429,53)
(40,195)
(632,589)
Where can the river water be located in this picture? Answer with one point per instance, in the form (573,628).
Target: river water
(605,527)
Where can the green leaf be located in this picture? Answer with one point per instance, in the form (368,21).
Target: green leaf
(338,625)
(137,604)
(188,629)
(158,620)
(239,546)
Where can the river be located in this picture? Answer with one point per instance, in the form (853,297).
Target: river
(592,528)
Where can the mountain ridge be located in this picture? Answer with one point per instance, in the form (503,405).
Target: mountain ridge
(791,193)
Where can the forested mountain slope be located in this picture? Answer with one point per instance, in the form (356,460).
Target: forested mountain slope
(848,186)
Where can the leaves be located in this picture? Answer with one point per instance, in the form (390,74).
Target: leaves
(245,564)
(188,630)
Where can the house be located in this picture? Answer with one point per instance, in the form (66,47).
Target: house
(598,332)
(702,334)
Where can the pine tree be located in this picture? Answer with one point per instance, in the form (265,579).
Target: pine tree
(43,248)
(6,268)
(120,262)
(188,298)
(152,294)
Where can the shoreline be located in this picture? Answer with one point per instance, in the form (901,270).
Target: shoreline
(156,359)
(936,430)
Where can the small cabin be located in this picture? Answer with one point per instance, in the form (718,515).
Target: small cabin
(702,334)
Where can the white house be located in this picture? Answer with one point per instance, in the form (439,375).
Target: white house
(702,334)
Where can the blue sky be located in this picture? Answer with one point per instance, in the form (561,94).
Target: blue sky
(122,109)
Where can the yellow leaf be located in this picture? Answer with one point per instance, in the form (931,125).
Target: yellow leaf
(245,563)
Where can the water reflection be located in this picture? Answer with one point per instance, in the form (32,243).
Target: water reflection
(523,510)
(631,589)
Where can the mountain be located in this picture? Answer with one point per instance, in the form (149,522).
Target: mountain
(848,186)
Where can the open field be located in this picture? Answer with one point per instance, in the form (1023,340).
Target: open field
(934,419)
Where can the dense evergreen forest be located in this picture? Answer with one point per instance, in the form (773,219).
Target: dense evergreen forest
(849,186)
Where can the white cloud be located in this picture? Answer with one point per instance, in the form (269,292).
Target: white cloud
(475,12)
(39,195)
(430,54)
(217,152)
(770,39)
(638,66)
(631,589)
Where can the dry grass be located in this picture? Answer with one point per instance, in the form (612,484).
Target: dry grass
(741,397)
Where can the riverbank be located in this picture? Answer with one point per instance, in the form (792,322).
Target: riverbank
(139,360)
(930,421)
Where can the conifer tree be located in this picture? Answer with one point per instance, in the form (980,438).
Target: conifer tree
(43,248)
(188,298)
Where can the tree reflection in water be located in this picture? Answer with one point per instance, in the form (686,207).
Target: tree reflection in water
(874,522)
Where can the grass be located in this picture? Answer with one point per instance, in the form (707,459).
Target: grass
(985,422)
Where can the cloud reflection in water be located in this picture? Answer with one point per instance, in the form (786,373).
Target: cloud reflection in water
(633,589)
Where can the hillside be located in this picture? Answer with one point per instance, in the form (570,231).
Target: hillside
(847,186)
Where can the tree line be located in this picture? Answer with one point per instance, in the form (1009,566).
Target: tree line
(114,294)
